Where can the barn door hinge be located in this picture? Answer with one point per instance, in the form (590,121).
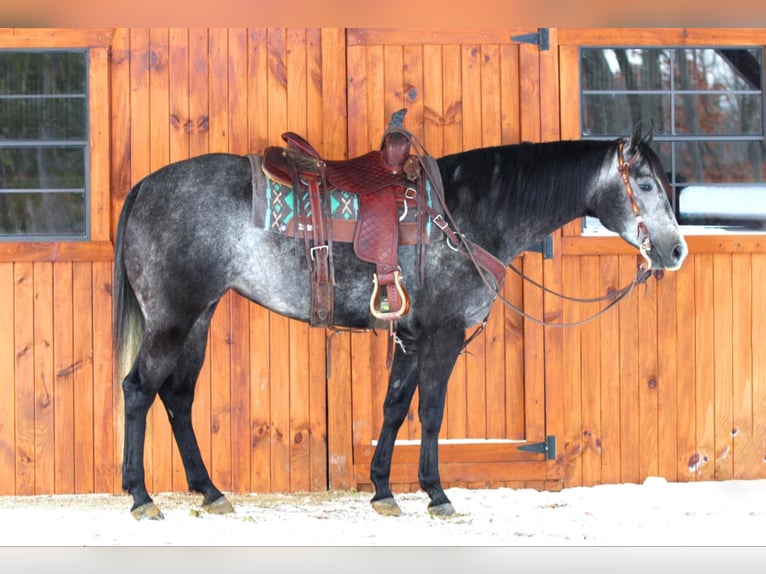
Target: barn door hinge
(547,447)
(545,247)
(541,38)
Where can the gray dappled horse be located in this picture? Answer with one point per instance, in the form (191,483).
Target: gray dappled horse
(186,236)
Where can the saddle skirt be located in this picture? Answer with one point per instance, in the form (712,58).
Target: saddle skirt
(276,209)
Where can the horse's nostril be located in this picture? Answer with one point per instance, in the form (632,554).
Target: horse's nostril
(679,252)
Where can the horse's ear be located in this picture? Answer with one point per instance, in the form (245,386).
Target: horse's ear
(649,136)
(636,139)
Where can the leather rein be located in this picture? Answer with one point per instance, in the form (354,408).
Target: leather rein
(613,296)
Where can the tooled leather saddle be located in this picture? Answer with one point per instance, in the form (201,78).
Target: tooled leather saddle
(384,182)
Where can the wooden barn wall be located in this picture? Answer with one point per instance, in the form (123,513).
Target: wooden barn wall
(672,383)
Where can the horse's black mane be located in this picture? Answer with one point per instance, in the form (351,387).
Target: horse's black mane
(524,180)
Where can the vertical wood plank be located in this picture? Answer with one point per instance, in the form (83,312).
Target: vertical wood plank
(456,415)
(746,452)
(722,340)
(704,367)
(571,457)
(279,326)
(513,337)
(609,325)
(221,329)
(240,314)
(107,390)
(7,371)
(510,94)
(476,358)
(44,375)
(178,150)
(24,367)
(109,418)
(159,136)
(63,379)
(433,100)
(629,376)
(590,369)
(260,420)
(494,374)
(198,127)
(119,121)
(98,110)
(82,370)
(140,166)
(759,364)
(647,380)
(685,434)
(534,340)
(328,108)
(297,437)
(667,375)
(331,446)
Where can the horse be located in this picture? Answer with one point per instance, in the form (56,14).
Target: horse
(185,237)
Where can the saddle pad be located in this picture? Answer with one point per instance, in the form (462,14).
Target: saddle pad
(274,210)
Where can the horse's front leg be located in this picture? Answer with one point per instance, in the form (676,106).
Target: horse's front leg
(438,354)
(401,386)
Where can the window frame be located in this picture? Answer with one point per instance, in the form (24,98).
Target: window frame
(98,247)
(676,139)
(699,239)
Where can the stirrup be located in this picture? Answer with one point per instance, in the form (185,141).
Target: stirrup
(377,305)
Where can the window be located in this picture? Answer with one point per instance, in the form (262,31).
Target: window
(44,145)
(707,108)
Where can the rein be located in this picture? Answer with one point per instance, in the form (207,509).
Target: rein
(613,296)
(458,242)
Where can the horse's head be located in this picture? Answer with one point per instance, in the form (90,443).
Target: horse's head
(634,202)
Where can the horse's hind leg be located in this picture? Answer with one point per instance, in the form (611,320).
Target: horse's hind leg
(177,395)
(138,400)
(155,360)
(401,386)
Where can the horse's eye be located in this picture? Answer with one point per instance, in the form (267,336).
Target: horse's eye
(645,186)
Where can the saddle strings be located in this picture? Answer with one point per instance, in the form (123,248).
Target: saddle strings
(614,296)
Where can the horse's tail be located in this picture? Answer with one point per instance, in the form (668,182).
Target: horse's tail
(128,321)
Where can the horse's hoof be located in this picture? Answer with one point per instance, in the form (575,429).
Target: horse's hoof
(386,507)
(445,510)
(148,511)
(219,506)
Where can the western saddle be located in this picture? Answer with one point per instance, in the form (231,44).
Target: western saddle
(383,181)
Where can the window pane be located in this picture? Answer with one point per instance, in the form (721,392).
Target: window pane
(39,73)
(42,167)
(43,144)
(610,114)
(625,69)
(719,114)
(43,118)
(732,69)
(42,214)
(720,162)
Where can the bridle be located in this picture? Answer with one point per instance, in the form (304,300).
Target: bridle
(645,244)
(613,296)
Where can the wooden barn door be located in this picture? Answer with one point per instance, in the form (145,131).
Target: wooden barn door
(462,90)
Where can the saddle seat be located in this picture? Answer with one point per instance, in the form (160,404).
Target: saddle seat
(360,175)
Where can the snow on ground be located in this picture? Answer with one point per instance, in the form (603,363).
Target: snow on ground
(655,513)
